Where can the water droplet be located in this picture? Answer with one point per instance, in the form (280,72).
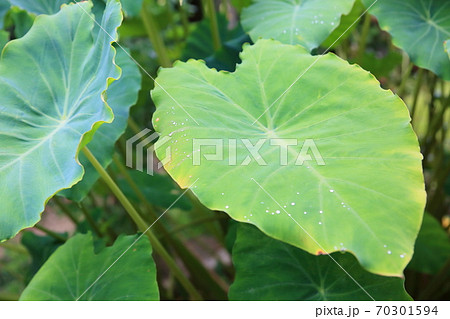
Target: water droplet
(277,211)
(227,206)
(293,204)
(331,190)
(305,213)
(223,193)
(402,256)
(320,212)
(389,252)
(320,223)
(262,203)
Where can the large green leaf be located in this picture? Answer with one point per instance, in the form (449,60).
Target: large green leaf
(40,6)
(69,273)
(419,27)
(4,8)
(432,248)
(305,22)
(199,45)
(121,95)
(267,269)
(52,85)
(371,186)
(132,8)
(346,26)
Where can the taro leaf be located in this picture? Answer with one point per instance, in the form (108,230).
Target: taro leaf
(121,95)
(199,45)
(371,186)
(419,27)
(40,6)
(346,26)
(52,86)
(432,247)
(40,249)
(267,269)
(4,8)
(53,6)
(305,22)
(132,8)
(74,266)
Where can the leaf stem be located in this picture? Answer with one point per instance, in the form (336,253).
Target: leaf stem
(197,270)
(50,233)
(210,11)
(142,226)
(363,38)
(18,248)
(416,93)
(405,77)
(153,32)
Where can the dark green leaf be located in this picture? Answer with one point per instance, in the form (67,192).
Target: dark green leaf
(267,269)
(304,22)
(432,247)
(199,45)
(419,27)
(74,267)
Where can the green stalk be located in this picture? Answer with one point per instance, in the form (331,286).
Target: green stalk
(50,233)
(416,93)
(64,209)
(142,226)
(363,38)
(405,77)
(210,12)
(18,248)
(197,270)
(153,32)
(184,20)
